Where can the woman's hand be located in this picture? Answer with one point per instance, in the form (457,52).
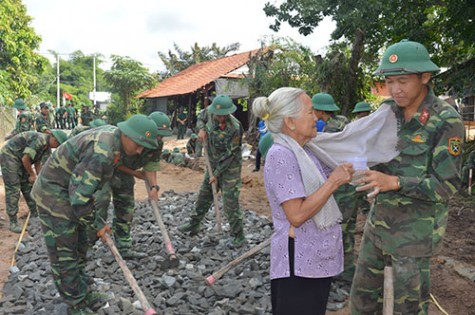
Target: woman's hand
(342,174)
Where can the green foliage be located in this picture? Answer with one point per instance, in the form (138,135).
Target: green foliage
(126,78)
(180,60)
(19,63)
(445,28)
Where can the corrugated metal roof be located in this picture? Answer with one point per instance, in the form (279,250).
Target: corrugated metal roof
(195,77)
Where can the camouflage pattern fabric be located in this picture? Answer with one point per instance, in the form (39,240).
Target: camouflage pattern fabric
(177,159)
(64,194)
(24,122)
(78,129)
(224,152)
(411,282)
(42,122)
(335,123)
(86,117)
(191,146)
(71,117)
(411,222)
(121,189)
(60,119)
(66,243)
(15,177)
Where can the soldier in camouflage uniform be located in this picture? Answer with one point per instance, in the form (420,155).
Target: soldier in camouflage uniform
(24,121)
(72,116)
(64,194)
(177,157)
(224,134)
(181,120)
(93,124)
(324,108)
(86,115)
(191,144)
(143,166)
(17,158)
(42,118)
(166,155)
(406,225)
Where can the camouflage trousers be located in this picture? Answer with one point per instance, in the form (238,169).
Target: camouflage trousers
(230,185)
(15,179)
(66,242)
(121,189)
(349,201)
(411,277)
(198,148)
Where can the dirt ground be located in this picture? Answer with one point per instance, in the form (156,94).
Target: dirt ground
(453,292)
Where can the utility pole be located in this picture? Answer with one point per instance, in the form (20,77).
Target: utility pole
(57,82)
(94,70)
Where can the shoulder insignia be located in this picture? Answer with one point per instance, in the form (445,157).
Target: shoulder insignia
(424,116)
(418,139)
(455,146)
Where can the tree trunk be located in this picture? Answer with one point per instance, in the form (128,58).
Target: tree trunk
(356,52)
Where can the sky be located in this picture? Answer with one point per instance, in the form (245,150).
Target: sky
(139,29)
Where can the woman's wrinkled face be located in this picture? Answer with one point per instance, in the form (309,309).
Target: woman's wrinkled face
(305,125)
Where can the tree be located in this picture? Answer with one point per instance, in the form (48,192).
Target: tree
(127,78)
(176,62)
(19,63)
(371,25)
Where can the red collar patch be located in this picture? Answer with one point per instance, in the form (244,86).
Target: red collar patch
(424,116)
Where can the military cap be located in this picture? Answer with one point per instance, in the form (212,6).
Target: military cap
(60,135)
(165,152)
(19,104)
(141,129)
(176,150)
(405,57)
(361,107)
(193,136)
(324,102)
(265,143)
(43,105)
(97,123)
(163,123)
(222,105)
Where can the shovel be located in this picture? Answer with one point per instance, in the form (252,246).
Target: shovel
(129,277)
(213,186)
(173,261)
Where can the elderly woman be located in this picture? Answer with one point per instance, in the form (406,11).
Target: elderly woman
(306,247)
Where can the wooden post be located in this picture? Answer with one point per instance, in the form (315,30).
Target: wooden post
(388,297)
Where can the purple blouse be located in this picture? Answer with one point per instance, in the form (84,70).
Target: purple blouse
(318,253)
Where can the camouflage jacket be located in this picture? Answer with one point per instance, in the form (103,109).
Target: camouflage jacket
(31,143)
(149,159)
(335,123)
(87,117)
(412,221)
(42,122)
(24,121)
(76,170)
(224,146)
(191,145)
(78,129)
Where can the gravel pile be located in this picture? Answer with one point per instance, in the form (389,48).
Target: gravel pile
(182,290)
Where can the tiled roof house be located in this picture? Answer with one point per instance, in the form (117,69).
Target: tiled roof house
(199,81)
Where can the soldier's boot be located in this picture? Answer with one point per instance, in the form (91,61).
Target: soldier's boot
(14,227)
(95,300)
(237,241)
(192,227)
(81,310)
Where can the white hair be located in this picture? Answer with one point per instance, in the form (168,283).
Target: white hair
(283,102)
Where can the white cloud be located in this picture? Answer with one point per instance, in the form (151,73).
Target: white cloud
(139,29)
